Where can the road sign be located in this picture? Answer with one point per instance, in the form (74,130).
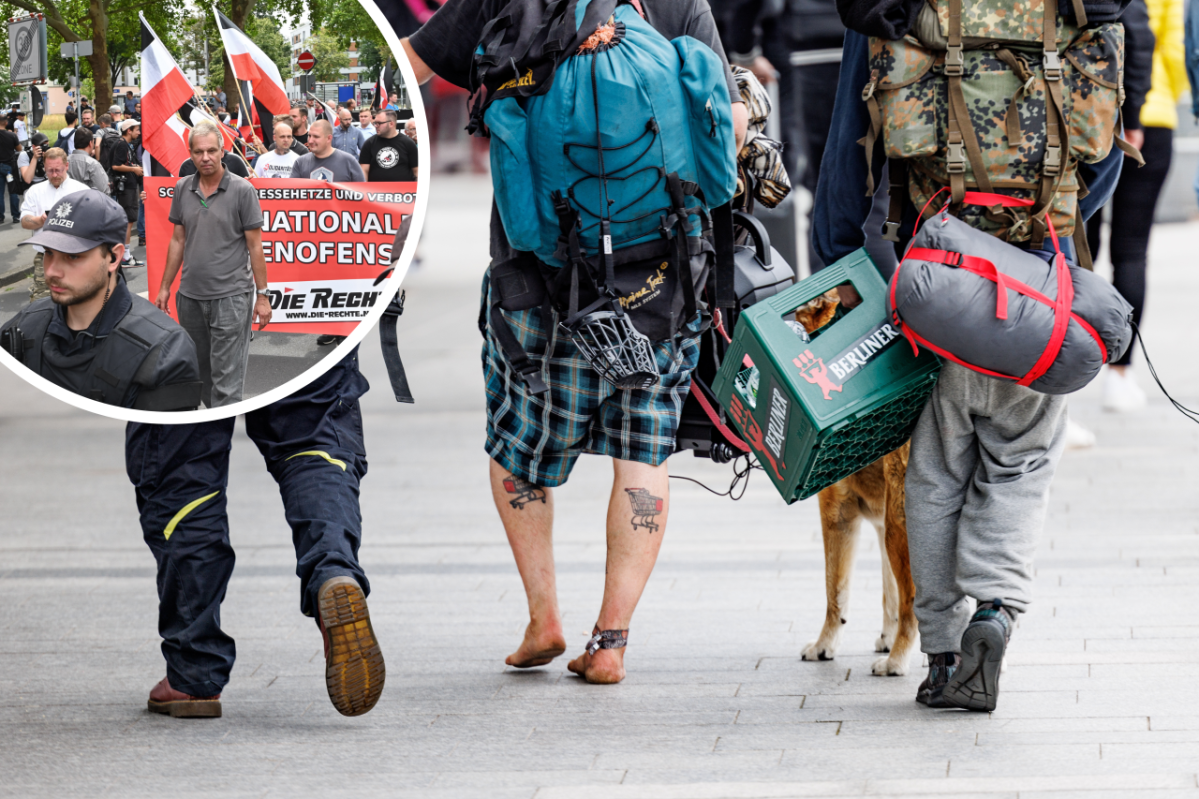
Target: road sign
(306,61)
(76,49)
(27,49)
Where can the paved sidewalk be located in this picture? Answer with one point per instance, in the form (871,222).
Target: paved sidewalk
(1099,698)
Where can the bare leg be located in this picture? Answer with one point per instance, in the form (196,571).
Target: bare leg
(637,512)
(527,512)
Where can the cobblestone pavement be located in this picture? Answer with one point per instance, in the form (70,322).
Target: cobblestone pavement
(1099,698)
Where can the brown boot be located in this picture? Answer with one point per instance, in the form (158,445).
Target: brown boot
(354,671)
(166,700)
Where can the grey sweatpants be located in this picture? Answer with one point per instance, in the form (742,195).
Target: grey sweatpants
(983,455)
(220,330)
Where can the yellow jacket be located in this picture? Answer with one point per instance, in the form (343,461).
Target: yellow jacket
(1169,65)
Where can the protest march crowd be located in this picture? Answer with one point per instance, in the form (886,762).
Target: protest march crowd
(958,151)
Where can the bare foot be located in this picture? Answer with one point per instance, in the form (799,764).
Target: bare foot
(541,645)
(605,667)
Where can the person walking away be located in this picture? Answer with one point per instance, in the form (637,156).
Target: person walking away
(346,137)
(8,169)
(38,200)
(127,179)
(82,164)
(984,451)
(92,336)
(313,446)
(66,136)
(533,440)
(217,233)
(19,128)
(389,156)
(1135,201)
(278,163)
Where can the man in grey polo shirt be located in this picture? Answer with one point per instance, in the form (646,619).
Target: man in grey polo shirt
(218,243)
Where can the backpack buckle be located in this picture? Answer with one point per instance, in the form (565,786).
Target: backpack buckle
(955,162)
(955,62)
(1053,65)
(891,231)
(1053,160)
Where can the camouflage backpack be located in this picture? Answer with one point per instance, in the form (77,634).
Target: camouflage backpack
(996,95)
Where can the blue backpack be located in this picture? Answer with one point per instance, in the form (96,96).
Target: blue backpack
(610,146)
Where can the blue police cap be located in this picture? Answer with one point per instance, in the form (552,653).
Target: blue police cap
(81,221)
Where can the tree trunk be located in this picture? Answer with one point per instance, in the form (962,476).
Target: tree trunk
(97,11)
(239,12)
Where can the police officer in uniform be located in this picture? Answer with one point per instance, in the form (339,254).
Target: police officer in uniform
(93,336)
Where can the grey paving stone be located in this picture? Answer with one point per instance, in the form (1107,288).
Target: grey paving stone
(1096,699)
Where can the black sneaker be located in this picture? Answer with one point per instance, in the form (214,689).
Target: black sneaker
(325,341)
(975,685)
(940,668)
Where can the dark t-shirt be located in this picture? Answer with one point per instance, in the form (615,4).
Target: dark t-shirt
(302,139)
(389,159)
(448,40)
(8,146)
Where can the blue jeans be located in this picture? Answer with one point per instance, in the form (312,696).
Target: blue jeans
(313,446)
(14,200)
(141,220)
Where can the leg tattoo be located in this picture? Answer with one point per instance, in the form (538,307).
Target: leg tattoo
(645,508)
(524,492)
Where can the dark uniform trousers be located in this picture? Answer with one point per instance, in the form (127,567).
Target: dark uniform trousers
(313,446)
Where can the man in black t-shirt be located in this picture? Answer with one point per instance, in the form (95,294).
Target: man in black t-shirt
(388,156)
(8,166)
(533,441)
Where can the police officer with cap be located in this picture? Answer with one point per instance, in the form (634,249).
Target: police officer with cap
(93,336)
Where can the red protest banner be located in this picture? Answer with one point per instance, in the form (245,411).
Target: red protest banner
(326,246)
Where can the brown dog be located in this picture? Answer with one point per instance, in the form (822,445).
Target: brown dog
(876,494)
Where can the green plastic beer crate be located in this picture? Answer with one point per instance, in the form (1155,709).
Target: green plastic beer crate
(815,412)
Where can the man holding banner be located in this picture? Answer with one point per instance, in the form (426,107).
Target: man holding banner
(218,230)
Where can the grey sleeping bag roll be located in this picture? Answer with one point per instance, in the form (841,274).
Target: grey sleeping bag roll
(953,310)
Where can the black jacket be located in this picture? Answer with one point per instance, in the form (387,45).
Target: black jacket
(1139,42)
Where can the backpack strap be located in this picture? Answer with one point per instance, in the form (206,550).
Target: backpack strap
(390,343)
(897,191)
(1053,166)
(962,142)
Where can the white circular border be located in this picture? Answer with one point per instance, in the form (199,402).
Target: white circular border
(333,358)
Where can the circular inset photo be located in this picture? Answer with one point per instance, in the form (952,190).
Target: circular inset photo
(222,232)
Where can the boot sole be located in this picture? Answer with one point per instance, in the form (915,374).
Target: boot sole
(354,670)
(975,685)
(187,709)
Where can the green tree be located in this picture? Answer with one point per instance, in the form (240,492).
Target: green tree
(110,25)
(330,56)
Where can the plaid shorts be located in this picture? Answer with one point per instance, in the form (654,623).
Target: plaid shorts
(539,438)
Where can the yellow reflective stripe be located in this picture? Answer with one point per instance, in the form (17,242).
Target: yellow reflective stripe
(320,454)
(188,508)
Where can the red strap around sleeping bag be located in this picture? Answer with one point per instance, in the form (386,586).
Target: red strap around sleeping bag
(1062,306)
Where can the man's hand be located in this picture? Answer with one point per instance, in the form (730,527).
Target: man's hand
(763,70)
(163,300)
(33,222)
(262,311)
(137,170)
(142,197)
(1135,137)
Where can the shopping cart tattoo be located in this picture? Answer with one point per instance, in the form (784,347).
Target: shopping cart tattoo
(645,507)
(525,491)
